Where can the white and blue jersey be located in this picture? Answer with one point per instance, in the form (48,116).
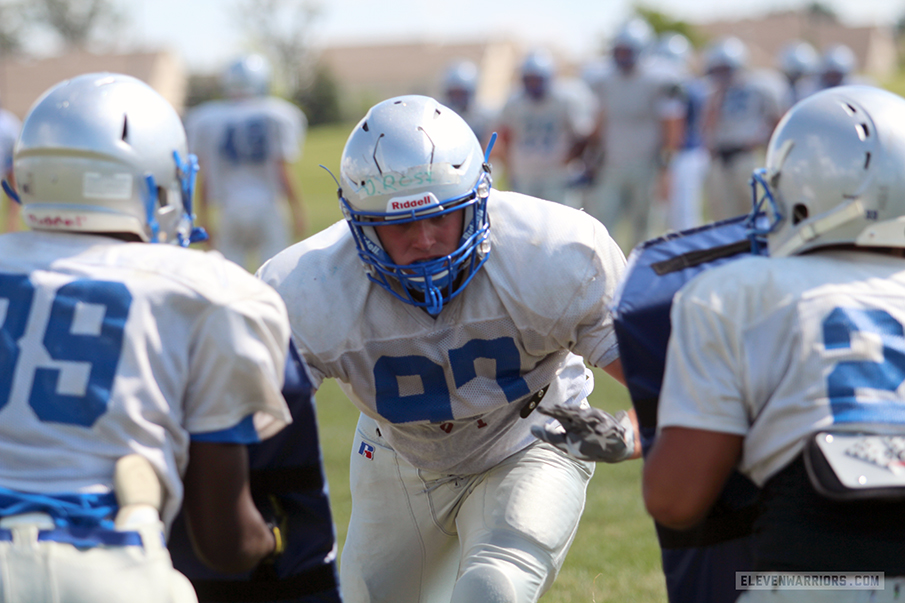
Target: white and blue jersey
(240,145)
(774,349)
(447,391)
(110,348)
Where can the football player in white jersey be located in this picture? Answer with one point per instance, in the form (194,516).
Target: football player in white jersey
(790,367)
(542,127)
(246,145)
(474,306)
(639,126)
(132,374)
(741,112)
(460,87)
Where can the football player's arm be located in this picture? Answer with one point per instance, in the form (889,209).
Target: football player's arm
(614,370)
(592,434)
(685,472)
(226,529)
(294,197)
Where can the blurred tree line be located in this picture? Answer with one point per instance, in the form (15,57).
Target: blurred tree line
(279,29)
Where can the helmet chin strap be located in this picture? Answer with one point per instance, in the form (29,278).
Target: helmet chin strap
(434,299)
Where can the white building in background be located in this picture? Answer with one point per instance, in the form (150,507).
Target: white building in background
(23,80)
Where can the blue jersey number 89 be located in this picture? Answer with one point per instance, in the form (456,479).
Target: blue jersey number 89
(101,350)
(433,404)
(850,375)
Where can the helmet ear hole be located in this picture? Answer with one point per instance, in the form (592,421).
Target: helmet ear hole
(799,213)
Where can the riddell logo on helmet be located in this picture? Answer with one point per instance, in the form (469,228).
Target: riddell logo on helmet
(404,203)
(56,221)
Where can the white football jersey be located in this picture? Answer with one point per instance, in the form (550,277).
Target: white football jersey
(543,132)
(750,108)
(240,144)
(777,348)
(633,108)
(447,390)
(110,348)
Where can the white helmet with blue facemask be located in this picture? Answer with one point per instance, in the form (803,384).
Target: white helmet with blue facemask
(833,174)
(411,158)
(105,153)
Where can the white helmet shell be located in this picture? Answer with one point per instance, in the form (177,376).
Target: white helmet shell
(247,76)
(834,172)
(405,147)
(408,159)
(798,58)
(730,53)
(105,153)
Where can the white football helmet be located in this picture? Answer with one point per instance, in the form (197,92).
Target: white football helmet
(727,53)
(836,64)
(105,153)
(834,173)
(247,76)
(459,84)
(408,159)
(675,47)
(630,42)
(797,59)
(538,70)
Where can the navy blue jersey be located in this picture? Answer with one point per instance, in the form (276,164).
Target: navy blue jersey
(700,563)
(286,470)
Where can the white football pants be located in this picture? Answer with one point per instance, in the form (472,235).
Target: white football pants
(625,193)
(45,571)
(421,537)
(687,173)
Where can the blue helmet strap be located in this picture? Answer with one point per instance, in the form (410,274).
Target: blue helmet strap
(151,208)
(11,192)
(188,172)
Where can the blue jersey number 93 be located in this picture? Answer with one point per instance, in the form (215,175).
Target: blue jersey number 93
(64,341)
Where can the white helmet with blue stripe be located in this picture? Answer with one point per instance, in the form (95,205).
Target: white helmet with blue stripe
(412,158)
(105,153)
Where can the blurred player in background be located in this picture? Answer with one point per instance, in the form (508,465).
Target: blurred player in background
(791,366)
(688,166)
(639,128)
(447,344)
(133,372)
(246,145)
(541,128)
(798,62)
(837,66)
(460,85)
(9,131)
(740,115)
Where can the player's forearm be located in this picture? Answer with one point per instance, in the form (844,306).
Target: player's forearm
(226,528)
(685,473)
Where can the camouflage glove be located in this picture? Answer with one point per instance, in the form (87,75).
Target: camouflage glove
(588,433)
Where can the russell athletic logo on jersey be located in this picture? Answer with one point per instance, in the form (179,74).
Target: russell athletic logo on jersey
(416,202)
(367,451)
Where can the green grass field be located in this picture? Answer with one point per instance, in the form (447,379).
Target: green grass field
(615,556)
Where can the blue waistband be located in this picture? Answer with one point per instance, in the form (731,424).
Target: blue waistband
(67,510)
(83,537)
